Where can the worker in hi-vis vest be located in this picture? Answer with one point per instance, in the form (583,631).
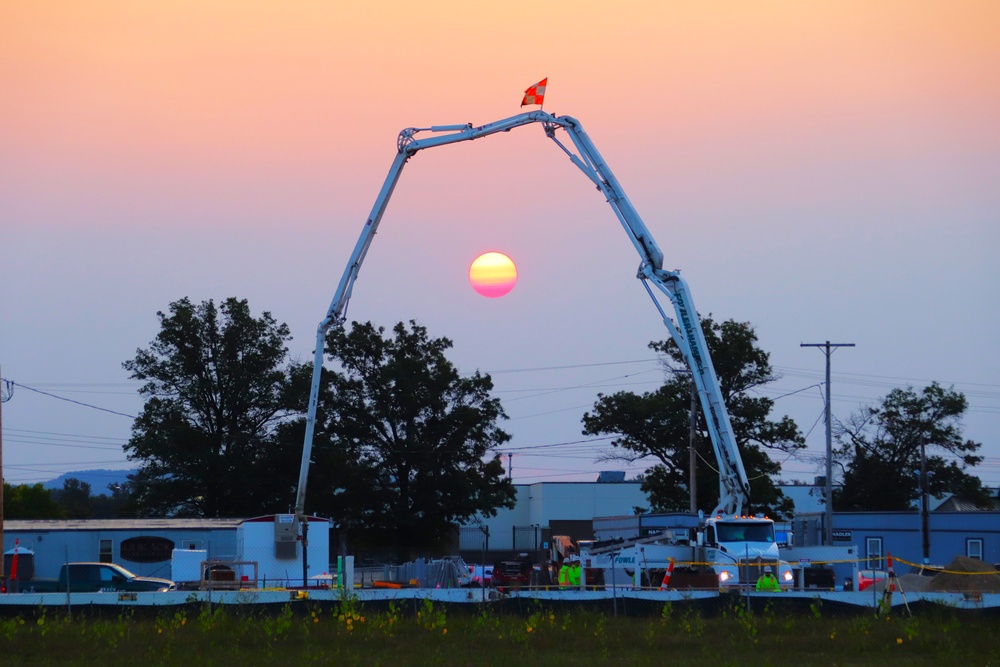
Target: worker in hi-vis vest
(564,573)
(767,582)
(574,571)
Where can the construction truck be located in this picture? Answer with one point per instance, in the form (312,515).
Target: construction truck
(736,546)
(722,551)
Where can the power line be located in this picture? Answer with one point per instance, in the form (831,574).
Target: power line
(556,444)
(572,366)
(70,400)
(841,375)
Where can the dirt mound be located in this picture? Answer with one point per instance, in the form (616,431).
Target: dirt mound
(915,582)
(966,574)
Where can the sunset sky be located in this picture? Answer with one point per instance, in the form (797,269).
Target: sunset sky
(824,170)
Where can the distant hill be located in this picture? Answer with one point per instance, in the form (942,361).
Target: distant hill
(98,479)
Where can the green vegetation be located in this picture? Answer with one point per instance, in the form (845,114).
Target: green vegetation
(428,634)
(29,501)
(73,501)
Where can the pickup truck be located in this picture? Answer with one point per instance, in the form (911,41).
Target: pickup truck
(93,578)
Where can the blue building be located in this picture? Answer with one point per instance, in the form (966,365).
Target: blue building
(266,548)
(143,546)
(950,534)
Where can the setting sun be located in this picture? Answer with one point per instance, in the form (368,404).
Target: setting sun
(493,274)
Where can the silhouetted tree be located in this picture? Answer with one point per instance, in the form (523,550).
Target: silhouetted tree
(880,449)
(216,388)
(74,499)
(656,424)
(404,446)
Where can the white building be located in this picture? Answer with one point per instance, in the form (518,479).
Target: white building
(551,508)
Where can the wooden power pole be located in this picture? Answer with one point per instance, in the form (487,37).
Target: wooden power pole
(3,568)
(827,349)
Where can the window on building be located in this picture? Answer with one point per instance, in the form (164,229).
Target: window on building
(873,547)
(105,556)
(974,548)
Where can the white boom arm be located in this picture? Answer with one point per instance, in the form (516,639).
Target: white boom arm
(734,487)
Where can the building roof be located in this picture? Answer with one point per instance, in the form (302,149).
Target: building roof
(956,503)
(192,523)
(44,525)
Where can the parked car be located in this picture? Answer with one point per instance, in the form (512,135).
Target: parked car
(95,577)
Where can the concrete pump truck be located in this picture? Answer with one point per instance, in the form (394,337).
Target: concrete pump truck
(737,547)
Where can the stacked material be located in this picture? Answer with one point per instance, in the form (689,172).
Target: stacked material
(966,575)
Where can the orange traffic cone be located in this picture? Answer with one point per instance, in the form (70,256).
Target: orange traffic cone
(666,576)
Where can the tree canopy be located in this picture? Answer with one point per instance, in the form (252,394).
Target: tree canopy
(74,499)
(656,424)
(29,501)
(880,451)
(78,502)
(216,388)
(404,445)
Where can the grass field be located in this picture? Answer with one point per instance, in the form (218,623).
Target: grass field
(431,635)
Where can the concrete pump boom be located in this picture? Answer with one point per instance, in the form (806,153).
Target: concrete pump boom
(734,487)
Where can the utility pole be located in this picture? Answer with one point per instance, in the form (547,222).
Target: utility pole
(828,349)
(924,509)
(3,567)
(692,454)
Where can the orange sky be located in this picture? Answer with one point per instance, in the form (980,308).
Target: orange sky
(134,88)
(822,169)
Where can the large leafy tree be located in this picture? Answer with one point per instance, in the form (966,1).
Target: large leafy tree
(216,387)
(74,498)
(656,425)
(405,445)
(880,450)
(30,501)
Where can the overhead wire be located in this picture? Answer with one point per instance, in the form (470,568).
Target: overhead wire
(857,379)
(70,400)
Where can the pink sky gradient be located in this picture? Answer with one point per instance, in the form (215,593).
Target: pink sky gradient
(823,170)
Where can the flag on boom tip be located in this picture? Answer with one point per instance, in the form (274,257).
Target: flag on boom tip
(536,93)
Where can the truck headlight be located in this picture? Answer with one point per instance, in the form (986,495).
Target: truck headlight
(724,576)
(787,576)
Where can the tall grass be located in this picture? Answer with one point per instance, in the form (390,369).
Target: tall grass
(304,634)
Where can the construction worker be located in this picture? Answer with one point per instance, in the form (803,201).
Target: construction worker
(767,582)
(574,571)
(564,571)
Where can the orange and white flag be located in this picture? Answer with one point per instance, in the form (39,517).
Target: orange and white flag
(536,93)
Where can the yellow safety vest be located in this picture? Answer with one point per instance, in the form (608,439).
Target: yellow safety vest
(767,582)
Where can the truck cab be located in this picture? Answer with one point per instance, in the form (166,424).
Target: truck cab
(741,547)
(94,577)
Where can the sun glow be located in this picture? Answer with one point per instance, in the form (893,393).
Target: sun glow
(493,274)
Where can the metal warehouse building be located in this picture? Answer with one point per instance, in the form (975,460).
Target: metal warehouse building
(149,547)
